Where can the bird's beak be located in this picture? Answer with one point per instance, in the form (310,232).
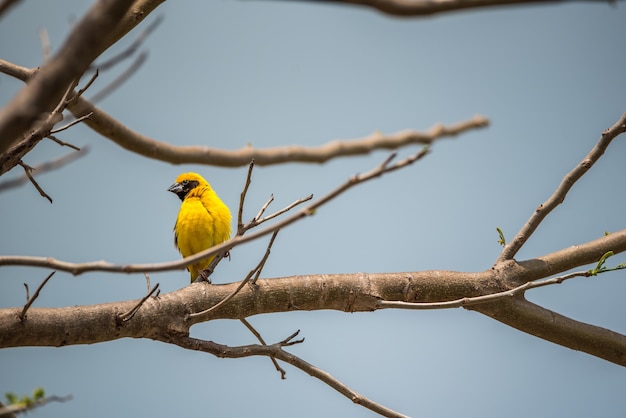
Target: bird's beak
(176,188)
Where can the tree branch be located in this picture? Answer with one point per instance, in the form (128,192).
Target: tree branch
(558,196)
(114,130)
(276,351)
(87,41)
(431,7)
(525,316)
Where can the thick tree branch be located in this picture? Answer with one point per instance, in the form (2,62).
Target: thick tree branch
(348,293)
(85,43)
(432,7)
(525,316)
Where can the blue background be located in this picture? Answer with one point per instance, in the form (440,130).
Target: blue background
(226,74)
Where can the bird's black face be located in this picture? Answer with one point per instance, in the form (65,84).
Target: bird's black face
(181,189)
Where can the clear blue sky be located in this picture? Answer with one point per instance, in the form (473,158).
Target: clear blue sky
(230,73)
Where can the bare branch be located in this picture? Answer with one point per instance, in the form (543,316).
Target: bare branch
(357,292)
(527,317)
(27,171)
(13,156)
(140,144)
(30,301)
(78,268)
(276,351)
(70,124)
(242,197)
(254,222)
(63,143)
(431,7)
(558,197)
(112,129)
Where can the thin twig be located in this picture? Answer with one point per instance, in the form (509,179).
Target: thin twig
(560,193)
(63,143)
(259,267)
(264,207)
(256,221)
(260,338)
(27,170)
(242,197)
(30,301)
(463,302)
(72,123)
(45,167)
(78,268)
(129,315)
(80,92)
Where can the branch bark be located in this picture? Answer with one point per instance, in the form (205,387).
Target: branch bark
(343,292)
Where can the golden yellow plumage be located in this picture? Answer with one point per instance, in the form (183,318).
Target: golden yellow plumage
(203,220)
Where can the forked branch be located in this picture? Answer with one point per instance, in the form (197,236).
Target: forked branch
(558,196)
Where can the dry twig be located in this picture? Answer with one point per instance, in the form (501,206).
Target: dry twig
(463,302)
(125,317)
(262,341)
(45,167)
(31,300)
(27,170)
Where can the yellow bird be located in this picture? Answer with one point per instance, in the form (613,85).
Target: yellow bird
(203,220)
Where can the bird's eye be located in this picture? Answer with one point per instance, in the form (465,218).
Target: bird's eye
(185,182)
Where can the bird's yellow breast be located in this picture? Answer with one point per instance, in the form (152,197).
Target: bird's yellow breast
(195,227)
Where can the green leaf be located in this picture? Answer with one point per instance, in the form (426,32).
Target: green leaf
(502,240)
